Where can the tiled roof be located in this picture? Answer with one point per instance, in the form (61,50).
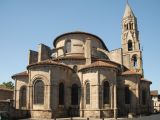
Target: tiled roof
(99,64)
(70,57)
(145,80)
(25,73)
(154,92)
(129,72)
(5,89)
(48,62)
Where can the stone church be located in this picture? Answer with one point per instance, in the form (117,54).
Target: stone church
(79,76)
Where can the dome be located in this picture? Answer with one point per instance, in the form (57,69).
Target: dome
(79,33)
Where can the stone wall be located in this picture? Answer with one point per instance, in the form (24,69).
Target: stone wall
(41,114)
(44,52)
(116,55)
(33,57)
(77,44)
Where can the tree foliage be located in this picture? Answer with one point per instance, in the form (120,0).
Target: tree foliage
(8,85)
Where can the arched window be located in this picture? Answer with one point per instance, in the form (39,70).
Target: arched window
(134,61)
(23,96)
(87,93)
(143,97)
(74,94)
(130,47)
(106,91)
(127,26)
(127,95)
(39,92)
(61,94)
(68,46)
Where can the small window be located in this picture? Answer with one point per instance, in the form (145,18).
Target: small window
(68,46)
(130,47)
(143,97)
(61,94)
(127,95)
(87,93)
(127,26)
(131,26)
(106,92)
(134,61)
(39,92)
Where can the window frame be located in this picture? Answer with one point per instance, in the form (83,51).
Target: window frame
(38,92)
(61,93)
(68,46)
(23,97)
(87,93)
(106,92)
(128,96)
(74,94)
(130,45)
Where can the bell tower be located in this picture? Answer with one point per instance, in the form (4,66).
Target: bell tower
(132,55)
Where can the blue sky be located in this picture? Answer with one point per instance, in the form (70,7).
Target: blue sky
(26,23)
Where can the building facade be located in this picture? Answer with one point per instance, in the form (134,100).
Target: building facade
(79,76)
(155,100)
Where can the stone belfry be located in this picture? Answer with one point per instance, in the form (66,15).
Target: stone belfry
(132,55)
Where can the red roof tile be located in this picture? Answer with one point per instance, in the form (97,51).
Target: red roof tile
(154,92)
(48,62)
(25,73)
(100,64)
(79,57)
(129,72)
(5,89)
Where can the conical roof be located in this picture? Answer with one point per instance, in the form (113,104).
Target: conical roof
(128,11)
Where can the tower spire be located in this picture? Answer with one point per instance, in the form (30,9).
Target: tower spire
(128,11)
(127,1)
(130,41)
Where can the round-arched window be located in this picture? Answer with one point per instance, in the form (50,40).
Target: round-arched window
(39,92)
(87,93)
(106,92)
(74,94)
(61,94)
(68,46)
(23,96)
(134,61)
(130,46)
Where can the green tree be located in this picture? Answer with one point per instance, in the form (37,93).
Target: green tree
(8,85)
